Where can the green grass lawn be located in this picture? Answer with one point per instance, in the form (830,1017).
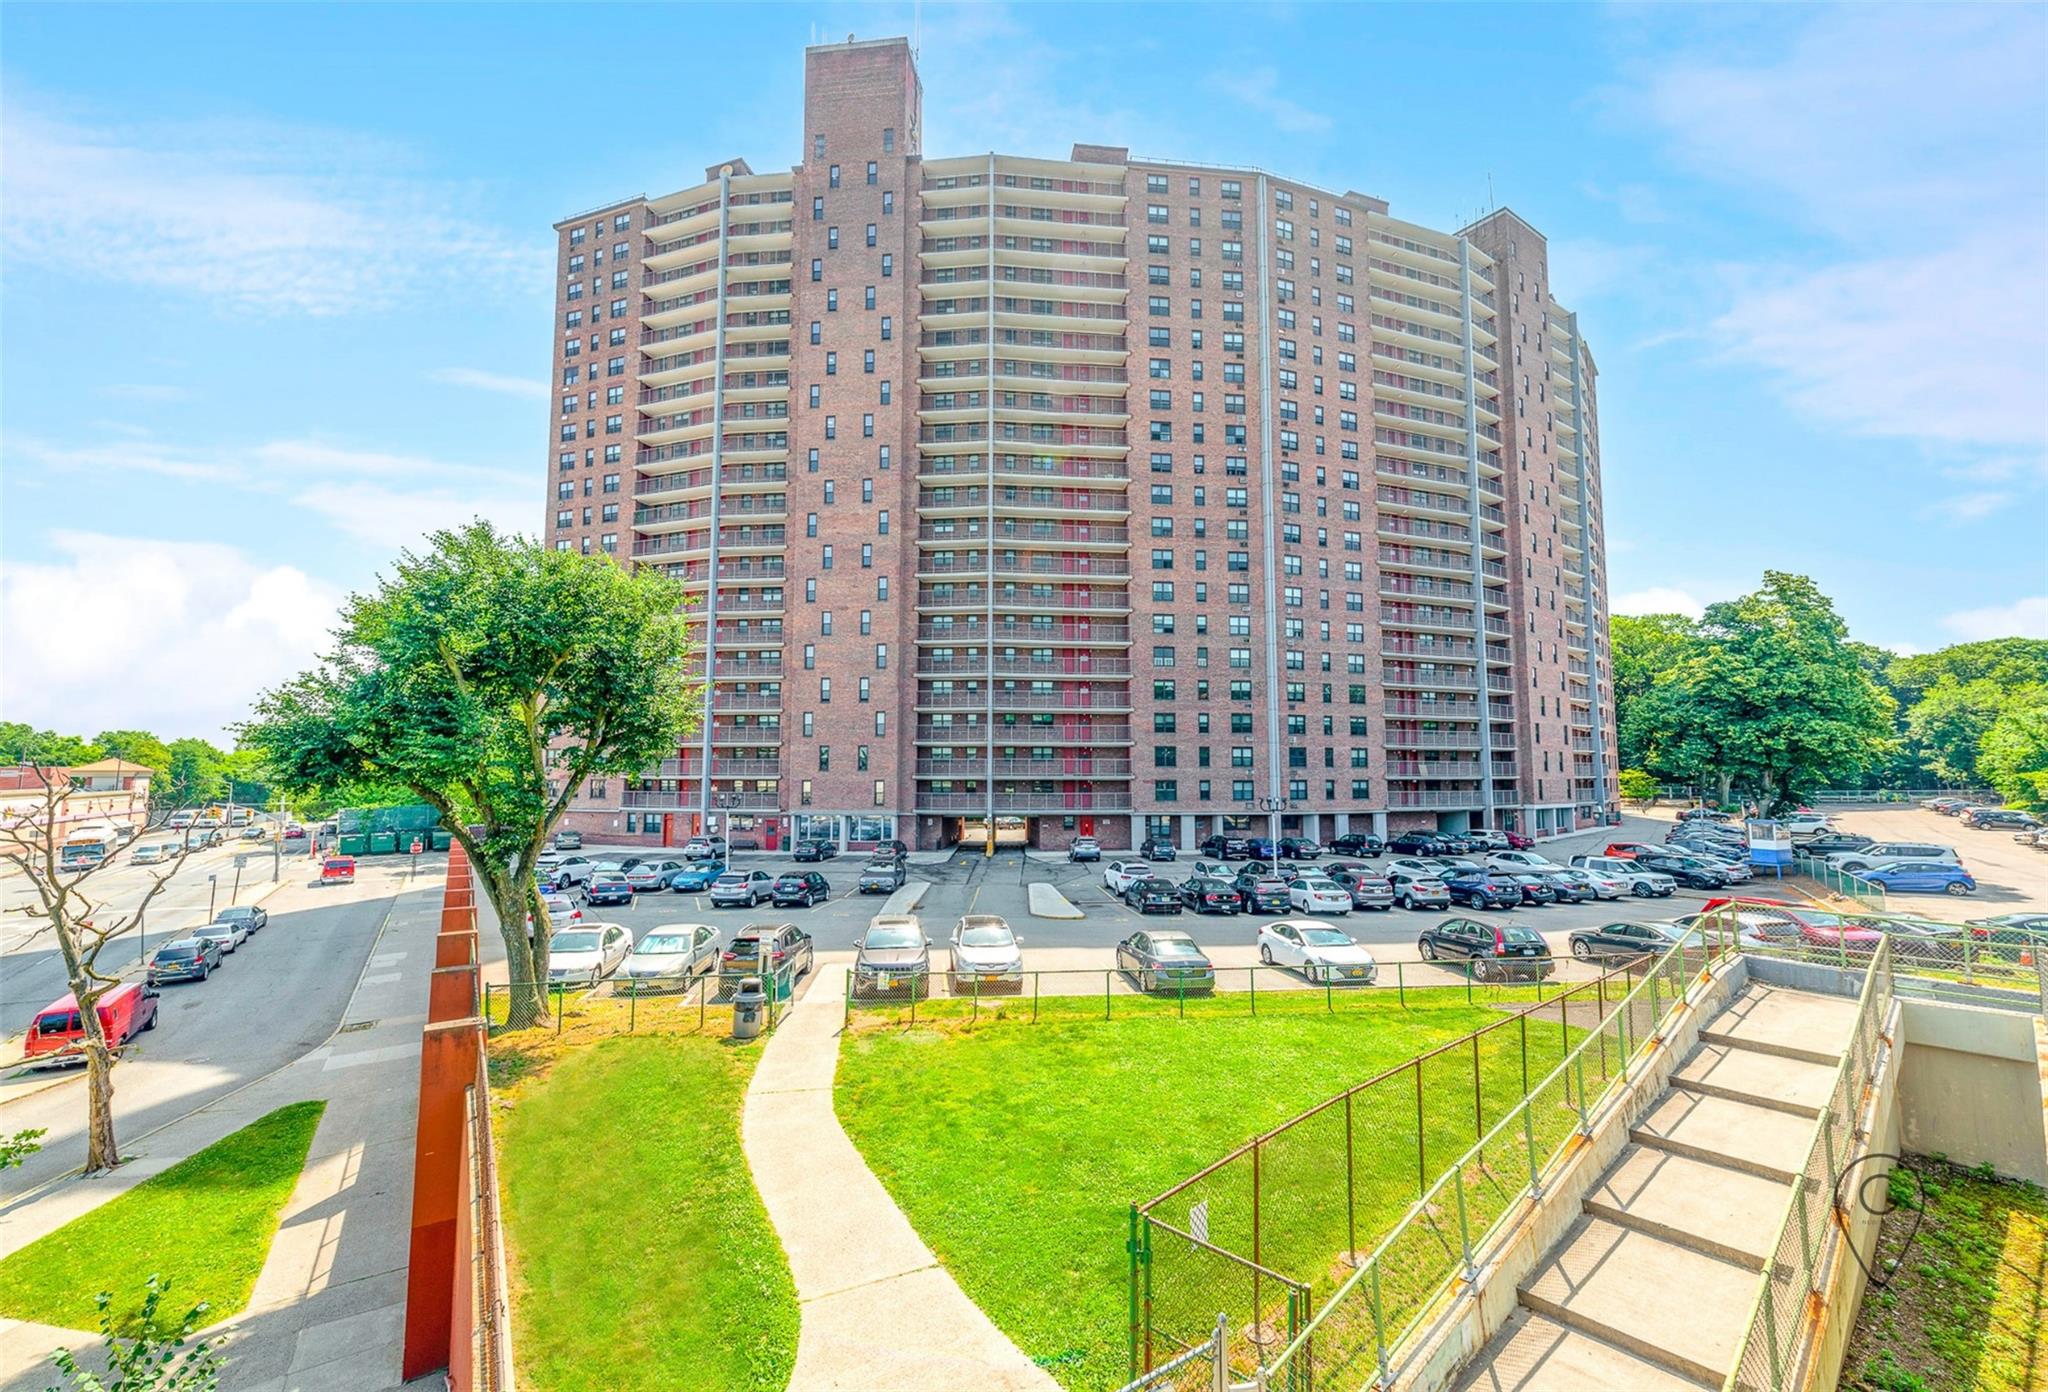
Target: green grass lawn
(640,1255)
(204,1225)
(1967,1309)
(1016,1150)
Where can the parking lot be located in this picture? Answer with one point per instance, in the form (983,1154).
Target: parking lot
(2011,878)
(970,882)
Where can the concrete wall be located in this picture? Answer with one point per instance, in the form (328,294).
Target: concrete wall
(1843,1292)
(1973,1085)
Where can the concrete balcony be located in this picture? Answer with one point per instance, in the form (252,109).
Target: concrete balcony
(1013,803)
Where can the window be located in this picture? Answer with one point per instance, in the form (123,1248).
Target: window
(888,201)
(888,328)
(867,361)
(818,209)
(888,141)
(832,239)
(817,273)
(869,298)
(832,176)
(888,269)
(874,175)
(871,233)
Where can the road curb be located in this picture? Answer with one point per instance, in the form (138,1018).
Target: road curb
(1047,902)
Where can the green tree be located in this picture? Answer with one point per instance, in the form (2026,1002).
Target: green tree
(490,677)
(196,774)
(24,744)
(137,747)
(2007,661)
(2013,755)
(1773,698)
(1642,648)
(1946,727)
(1638,786)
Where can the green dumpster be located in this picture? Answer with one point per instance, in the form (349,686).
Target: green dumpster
(353,845)
(442,840)
(383,843)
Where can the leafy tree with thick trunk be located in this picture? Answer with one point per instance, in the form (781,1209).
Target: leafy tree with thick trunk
(1643,648)
(490,677)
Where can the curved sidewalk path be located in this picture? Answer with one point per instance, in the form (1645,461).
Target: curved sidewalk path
(879,1314)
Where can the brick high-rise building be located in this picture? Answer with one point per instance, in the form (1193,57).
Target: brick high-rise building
(1099,496)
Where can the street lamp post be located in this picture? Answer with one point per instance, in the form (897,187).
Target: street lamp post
(212,888)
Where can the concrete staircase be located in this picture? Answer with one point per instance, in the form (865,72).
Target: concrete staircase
(1651,1288)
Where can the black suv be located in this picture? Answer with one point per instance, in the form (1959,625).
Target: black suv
(815,850)
(1158,848)
(1227,847)
(805,887)
(1299,848)
(1354,843)
(1693,874)
(1419,843)
(1496,954)
(1262,891)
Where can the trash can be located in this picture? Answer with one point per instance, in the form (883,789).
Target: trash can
(383,843)
(749,1008)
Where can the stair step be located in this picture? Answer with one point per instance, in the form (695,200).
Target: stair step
(1740,1135)
(1535,1353)
(1675,1307)
(1793,1024)
(1744,1074)
(1723,1212)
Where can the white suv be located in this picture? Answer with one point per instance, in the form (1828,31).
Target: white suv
(1879,852)
(1641,882)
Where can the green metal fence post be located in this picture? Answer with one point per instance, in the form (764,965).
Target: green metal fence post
(1478,1105)
(1525,1048)
(1131,1246)
(1401,984)
(1105,995)
(1329,1002)
(1350,1189)
(1379,1324)
(1529,1140)
(846,1016)
(632,1007)
(1252,975)
(1579,1067)
(977,1000)
(703,998)
(1421,1148)
(558,1011)
(1182,982)
(1034,997)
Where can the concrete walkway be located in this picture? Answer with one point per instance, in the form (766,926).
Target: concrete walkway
(328,1308)
(878,1312)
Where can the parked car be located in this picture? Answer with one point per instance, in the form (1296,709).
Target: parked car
(1152,895)
(1323,951)
(2010,818)
(1803,826)
(252,916)
(1880,852)
(1703,814)
(1535,889)
(1518,841)
(1225,847)
(187,959)
(607,889)
(57,1033)
(1368,888)
(229,935)
(1165,962)
(1597,884)
(256,831)
(1357,843)
(696,876)
(155,853)
(1158,848)
(1519,862)
(652,874)
(706,848)
(1262,891)
(986,953)
(764,949)
(882,877)
(1206,894)
(1734,868)
(1483,889)
(1495,953)
(670,955)
(1299,848)
(1318,894)
(569,870)
(568,841)
(1642,881)
(1922,877)
(562,912)
(294,832)
(1417,889)
(1214,869)
(1687,870)
(1088,848)
(1259,848)
(815,850)
(1487,839)
(748,887)
(1623,940)
(588,953)
(2008,936)
(1120,875)
(1834,841)
(890,850)
(893,955)
(800,887)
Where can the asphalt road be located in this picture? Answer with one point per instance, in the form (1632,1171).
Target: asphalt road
(280,995)
(32,974)
(2011,878)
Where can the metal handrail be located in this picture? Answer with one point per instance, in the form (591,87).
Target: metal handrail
(1785,1349)
(1519,1116)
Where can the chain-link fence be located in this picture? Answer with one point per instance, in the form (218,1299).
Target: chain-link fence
(1268,1232)
(1847,884)
(936,994)
(699,1004)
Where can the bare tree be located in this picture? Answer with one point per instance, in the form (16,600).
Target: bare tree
(83,923)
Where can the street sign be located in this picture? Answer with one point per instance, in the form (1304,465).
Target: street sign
(416,846)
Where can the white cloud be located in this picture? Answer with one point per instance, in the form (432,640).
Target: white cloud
(2023,618)
(1659,599)
(1259,89)
(1968,507)
(254,216)
(532,387)
(387,518)
(176,636)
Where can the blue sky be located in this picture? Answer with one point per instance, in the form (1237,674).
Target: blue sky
(276,279)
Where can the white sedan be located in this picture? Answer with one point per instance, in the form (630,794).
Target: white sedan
(1317,894)
(588,953)
(1521,862)
(1603,885)
(1120,875)
(1322,951)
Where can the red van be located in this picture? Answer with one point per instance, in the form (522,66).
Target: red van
(57,1035)
(338,870)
